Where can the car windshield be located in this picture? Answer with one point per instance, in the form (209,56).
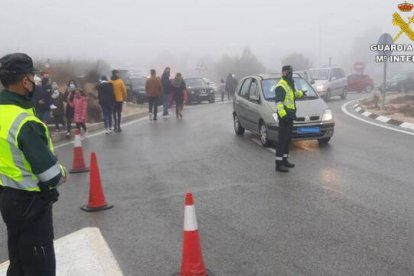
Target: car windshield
(269,86)
(194,82)
(320,74)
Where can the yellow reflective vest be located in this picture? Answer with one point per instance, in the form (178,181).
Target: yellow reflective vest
(289,102)
(15,170)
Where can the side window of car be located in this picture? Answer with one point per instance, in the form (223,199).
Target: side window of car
(244,90)
(335,74)
(253,89)
(341,73)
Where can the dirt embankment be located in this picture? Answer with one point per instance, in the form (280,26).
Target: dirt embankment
(398,107)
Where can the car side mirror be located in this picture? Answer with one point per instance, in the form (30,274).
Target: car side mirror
(333,78)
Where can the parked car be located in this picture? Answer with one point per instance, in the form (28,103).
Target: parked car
(199,90)
(401,82)
(359,83)
(137,93)
(329,81)
(254,109)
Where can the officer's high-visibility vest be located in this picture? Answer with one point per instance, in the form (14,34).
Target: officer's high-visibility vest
(289,102)
(15,171)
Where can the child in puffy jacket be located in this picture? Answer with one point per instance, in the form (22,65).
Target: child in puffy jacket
(80,106)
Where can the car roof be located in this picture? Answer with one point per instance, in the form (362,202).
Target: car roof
(271,75)
(325,68)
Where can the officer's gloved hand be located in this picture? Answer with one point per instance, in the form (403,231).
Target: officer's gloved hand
(50,195)
(305,93)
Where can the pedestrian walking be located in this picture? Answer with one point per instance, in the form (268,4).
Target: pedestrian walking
(166,88)
(29,175)
(58,107)
(286,95)
(120,93)
(68,96)
(80,108)
(153,87)
(106,99)
(43,99)
(222,89)
(178,86)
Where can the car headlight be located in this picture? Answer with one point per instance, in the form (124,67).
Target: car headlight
(320,87)
(327,115)
(275,117)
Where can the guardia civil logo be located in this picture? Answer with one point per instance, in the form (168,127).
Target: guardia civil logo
(404,26)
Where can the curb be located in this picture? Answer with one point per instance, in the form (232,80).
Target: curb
(384,119)
(59,137)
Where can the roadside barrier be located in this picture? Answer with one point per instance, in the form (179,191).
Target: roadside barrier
(96,200)
(78,165)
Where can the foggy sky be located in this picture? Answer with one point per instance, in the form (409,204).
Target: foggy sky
(133,31)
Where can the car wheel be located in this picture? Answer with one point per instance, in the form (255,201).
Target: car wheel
(212,100)
(344,94)
(264,137)
(369,88)
(324,141)
(237,126)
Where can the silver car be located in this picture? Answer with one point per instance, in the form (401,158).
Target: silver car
(329,81)
(254,109)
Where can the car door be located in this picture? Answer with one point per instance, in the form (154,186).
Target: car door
(338,81)
(242,103)
(253,114)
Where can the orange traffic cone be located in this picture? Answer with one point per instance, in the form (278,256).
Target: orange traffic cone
(96,196)
(78,165)
(192,261)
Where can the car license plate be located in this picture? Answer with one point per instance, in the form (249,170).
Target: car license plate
(308,130)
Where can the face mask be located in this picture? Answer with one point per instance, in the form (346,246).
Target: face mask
(31,92)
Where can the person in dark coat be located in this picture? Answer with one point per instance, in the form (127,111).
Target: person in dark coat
(58,107)
(68,96)
(166,87)
(178,86)
(107,101)
(43,99)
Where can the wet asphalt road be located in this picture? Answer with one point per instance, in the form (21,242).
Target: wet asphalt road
(346,209)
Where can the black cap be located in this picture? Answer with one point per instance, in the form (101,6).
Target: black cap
(286,68)
(17,64)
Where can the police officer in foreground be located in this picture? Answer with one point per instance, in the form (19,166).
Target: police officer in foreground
(29,172)
(286,111)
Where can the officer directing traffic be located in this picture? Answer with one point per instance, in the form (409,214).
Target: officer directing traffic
(286,113)
(29,172)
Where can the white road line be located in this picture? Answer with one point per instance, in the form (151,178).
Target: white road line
(366,113)
(345,105)
(358,109)
(84,252)
(383,119)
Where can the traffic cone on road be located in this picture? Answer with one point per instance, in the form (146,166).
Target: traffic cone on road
(96,196)
(192,260)
(78,165)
